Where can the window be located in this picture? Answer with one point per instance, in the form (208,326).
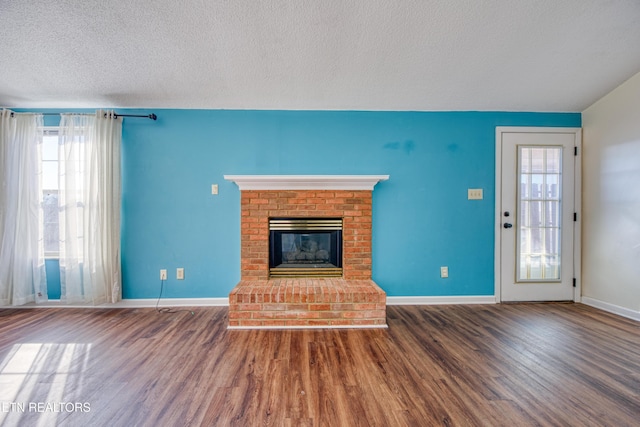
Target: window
(50,207)
(540,213)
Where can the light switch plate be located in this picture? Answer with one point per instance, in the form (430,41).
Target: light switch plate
(214,188)
(474,193)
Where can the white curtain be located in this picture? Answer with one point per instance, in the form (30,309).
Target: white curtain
(22,270)
(89,198)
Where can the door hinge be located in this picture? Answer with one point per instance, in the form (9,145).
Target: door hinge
(574,282)
(575,216)
(575,151)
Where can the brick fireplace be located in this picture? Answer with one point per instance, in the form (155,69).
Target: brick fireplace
(262,301)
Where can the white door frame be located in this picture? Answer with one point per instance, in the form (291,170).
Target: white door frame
(577,239)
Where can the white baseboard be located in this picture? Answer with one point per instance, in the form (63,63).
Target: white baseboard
(224,302)
(612,308)
(441,300)
(173,302)
(136,303)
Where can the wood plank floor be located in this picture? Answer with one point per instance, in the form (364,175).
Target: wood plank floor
(485,365)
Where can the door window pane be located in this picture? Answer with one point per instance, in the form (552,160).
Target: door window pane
(553,161)
(540,203)
(525,186)
(551,187)
(525,212)
(552,214)
(535,215)
(537,156)
(537,185)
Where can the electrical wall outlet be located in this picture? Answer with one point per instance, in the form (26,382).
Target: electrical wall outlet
(444,272)
(180,273)
(163,274)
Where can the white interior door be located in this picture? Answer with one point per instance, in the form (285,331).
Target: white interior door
(537,207)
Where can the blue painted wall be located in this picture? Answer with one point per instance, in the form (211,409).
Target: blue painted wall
(421,217)
(52,267)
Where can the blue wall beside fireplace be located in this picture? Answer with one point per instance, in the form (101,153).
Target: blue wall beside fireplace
(421,216)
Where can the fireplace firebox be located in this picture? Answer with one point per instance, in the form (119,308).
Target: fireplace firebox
(305,247)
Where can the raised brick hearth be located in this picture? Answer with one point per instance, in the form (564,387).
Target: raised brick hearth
(328,302)
(351,301)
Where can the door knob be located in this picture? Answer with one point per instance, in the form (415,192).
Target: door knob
(507,225)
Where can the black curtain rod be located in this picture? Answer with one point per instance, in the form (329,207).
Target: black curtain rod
(116,115)
(149,116)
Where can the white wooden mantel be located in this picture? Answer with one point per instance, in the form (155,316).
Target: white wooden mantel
(306,182)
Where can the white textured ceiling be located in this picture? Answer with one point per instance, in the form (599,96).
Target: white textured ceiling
(508,55)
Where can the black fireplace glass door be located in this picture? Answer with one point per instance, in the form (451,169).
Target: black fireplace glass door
(305,249)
